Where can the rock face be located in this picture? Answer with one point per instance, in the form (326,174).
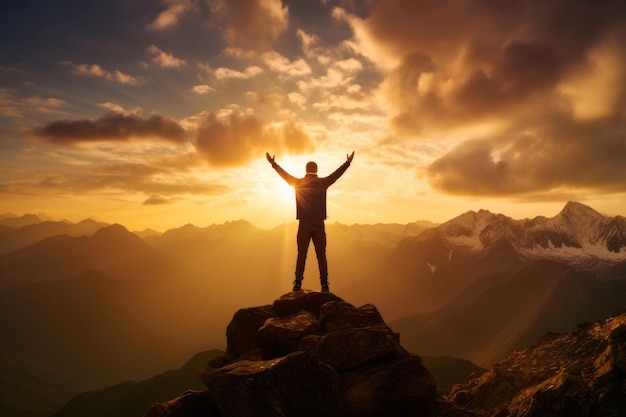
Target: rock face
(578,374)
(312,354)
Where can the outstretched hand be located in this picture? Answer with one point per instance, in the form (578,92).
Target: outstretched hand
(270,158)
(350,157)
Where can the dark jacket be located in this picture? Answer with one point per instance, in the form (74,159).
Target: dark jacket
(311,191)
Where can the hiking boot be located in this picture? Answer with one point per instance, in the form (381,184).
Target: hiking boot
(325,286)
(297,285)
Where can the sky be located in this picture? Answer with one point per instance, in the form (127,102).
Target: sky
(158,113)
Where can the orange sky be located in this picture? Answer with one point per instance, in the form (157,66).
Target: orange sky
(159,113)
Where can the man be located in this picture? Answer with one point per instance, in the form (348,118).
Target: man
(311,213)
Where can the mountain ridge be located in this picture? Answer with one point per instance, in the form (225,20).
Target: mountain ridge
(576,227)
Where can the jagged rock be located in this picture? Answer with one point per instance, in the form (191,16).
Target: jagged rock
(350,348)
(313,354)
(618,339)
(281,335)
(311,301)
(391,389)
(577,374)
(191,403)
(241,331)
(294,385)
(338,315)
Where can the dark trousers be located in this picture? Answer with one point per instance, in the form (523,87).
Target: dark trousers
(311,230)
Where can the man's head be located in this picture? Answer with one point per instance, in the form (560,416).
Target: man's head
(311,168)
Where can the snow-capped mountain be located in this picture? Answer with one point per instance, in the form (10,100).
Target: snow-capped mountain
(484,284)
(578,236)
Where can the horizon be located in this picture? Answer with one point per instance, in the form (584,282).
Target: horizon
(45,217)
(157,114)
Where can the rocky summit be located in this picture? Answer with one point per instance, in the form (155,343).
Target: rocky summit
(576,374)
(311,354)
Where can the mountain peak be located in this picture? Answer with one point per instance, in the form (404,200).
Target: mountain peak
(17,222)
(115,234)
(470,221)
(337,345)
(579,212)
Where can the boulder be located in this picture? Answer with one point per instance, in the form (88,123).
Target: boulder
(311,301)
(294,385)
(281,335)
(350,348)
(339,315)
(241,331)
(390,389)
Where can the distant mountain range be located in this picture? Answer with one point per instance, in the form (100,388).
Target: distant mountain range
(491,284)
(448,258)
(94,304)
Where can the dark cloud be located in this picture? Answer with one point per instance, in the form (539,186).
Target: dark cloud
(113,126)
(251,24)
(490,84)
(466,62)
(239,137)
(562,154)
(544,84)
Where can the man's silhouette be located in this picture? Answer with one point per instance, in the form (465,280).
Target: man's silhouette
(311,212)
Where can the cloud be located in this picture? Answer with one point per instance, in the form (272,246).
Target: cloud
(202,89)
(14,107)
(458,63)
(236,137)
(560,154)
(594,91)
(171,16)
(223,74)
(520,97)
(116,108)
(124,178)
(113,126)
(266,99)
(251,24)
(115,76)
(156,200)
(311,48)
(284,66)
(165,60)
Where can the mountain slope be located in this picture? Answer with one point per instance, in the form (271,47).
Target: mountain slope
(510,310)
(112,249)
(31,389)
(100,329)
(581,373)
(132,399)
(20,235)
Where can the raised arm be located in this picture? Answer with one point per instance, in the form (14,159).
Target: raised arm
(290,179)
(339,171)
